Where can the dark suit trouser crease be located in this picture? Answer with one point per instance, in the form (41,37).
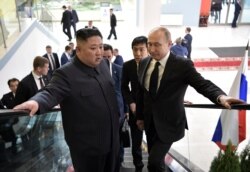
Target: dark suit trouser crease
(66,30)
(112,31)
(88,163)
(136,136)
(73,24)
(157,151)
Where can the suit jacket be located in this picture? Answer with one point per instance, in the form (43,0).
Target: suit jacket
(8,100)
(112,20)
(64,59)
(74,16)
(57,64)
(129,76)
(167,109)
(27,88)
(188,37)
(88,104)
(66,18)
(118,60)
(117,79)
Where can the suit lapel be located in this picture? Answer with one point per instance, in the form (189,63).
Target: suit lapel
(143,69)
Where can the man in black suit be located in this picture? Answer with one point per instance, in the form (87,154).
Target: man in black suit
(34,81)
(188,41)
(163,80)
(74,18)
(129,89)
(88,104)
(7,132)
(8,99)
(66,22)
(118,58)
(237,9)
(73,50)
(53,60)
(113,22)
(116,74)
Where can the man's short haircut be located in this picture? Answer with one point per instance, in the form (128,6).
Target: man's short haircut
(12,80)
(64,7)
(85,33)
(107,47)
(68,47)
(39,62)
(188,29)
(48,46)
(140,40)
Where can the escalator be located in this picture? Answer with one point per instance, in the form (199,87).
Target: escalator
(40,146)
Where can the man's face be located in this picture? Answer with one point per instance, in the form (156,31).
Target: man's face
(13,86)
(49,50)
(158,45)
(90,52)
(108,54)
(140,51)
(43,70)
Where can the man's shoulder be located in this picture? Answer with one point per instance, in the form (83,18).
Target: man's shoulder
(9,94)
(129,62)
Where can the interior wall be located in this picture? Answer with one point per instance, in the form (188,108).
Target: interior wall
(190,10)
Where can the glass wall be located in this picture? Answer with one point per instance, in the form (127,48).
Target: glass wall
(222,12)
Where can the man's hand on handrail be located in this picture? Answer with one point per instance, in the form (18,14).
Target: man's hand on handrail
(30,105)
(227,101)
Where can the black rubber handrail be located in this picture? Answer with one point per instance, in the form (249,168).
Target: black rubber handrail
(14,113)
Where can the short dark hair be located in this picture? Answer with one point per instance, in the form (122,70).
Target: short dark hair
(188,29)
(67,47)
(40,62)
(64,7)
(48,46)
(85,33)
(12,80)
(140,40)
(107,47)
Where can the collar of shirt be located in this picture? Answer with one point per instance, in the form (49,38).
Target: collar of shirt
(36,77)
(162,62)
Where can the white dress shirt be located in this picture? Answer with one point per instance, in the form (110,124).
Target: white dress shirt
(151,68)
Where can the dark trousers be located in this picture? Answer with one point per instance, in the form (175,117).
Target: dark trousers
(189,54)
(236,15)
(112,31)
(73,24)
(136,136)
(157,151)
(97,163)
(66,30)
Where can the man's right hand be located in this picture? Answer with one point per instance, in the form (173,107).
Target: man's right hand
(132,107)
(30,105)
(140,124)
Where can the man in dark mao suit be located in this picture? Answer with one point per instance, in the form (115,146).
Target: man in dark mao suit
(162,113)
(88,104)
